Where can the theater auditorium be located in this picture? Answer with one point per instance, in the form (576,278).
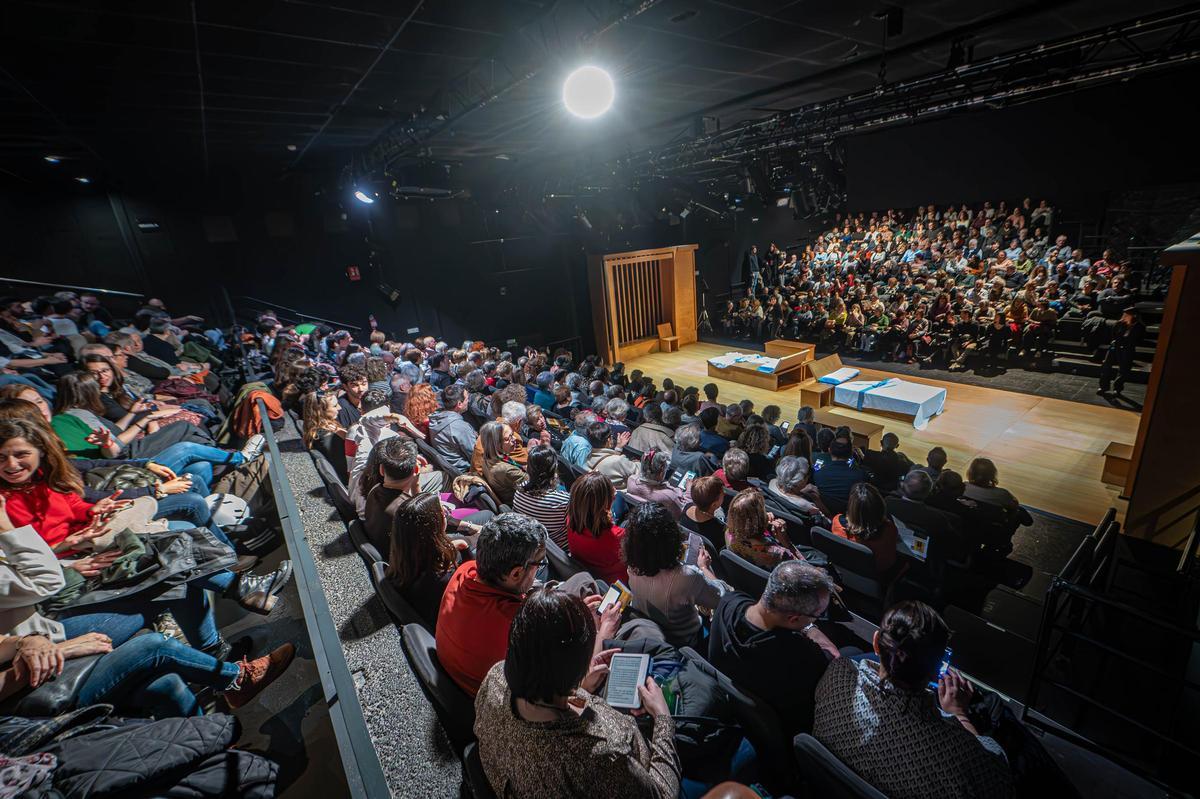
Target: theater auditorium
(599,399)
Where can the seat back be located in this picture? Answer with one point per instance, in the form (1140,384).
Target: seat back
(742,574)
(562,565)
(665,331)
(826,775)
(565,471)
(855,563)
(358,537)
(434,457)
(474,775)
(761,726)
(402,613)
(454,708)
(337,490)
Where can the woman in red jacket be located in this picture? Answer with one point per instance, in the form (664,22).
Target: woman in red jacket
(592,537)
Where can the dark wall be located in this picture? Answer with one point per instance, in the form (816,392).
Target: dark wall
(1076,150)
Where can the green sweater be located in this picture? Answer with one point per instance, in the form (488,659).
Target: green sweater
(73,432)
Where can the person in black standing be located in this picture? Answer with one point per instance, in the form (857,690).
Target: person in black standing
(1127,334)
(754,265)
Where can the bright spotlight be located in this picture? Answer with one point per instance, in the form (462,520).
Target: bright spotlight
(363,197)
(83,180)
(52,159)
(588,92)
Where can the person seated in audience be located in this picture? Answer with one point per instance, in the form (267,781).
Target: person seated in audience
(981,486)
(664,589)
(616,414)
(650,483)
(449,433)
(911,507)
(687,455)
(867,522)
(883,722)
(792,486)
(542,496)
(689,411)
(731,424)
(755,441)
(544,395)
(735,469)
(511,413)
(500,471)
(542,726)
(652,433)
(756,535)
(376,425)
(593,537)
(711,441)
(118,399)
(888,464)
(322,431)
(576,447)
(606,456)
(421,404)
(836,474)
(421,556)
(704,514)
(777,634)
(710,397)
(935,461)
(483,596)
(439,371)
(799,445)
(771,415)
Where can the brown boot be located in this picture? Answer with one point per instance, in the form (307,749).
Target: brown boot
(257,674)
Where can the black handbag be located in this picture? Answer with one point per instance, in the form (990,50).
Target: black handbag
(55,696)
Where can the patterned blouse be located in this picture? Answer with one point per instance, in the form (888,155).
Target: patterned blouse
(596,755)
(900,741)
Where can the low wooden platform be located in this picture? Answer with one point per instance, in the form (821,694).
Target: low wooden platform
(1049,452)
(750,376)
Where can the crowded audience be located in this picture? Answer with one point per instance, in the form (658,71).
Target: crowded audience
(959,287)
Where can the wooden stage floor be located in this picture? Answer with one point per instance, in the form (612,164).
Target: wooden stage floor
(1048,451)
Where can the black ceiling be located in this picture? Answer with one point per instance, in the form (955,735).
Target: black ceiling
(117,88)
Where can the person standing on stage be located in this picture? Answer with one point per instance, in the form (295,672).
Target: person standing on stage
(1127,334)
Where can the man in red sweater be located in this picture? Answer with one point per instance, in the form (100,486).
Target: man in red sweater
(483,596)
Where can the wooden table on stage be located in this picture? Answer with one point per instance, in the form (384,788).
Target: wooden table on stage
(792,370)
(782,347)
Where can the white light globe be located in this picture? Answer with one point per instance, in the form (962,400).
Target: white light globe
(588,92)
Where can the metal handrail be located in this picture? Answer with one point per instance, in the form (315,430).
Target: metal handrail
(360,761)
(293,311)
(89,289)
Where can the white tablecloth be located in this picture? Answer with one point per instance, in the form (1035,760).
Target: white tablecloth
(764,363)
(917,400)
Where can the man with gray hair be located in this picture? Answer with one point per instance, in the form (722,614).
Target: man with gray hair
(484,594)
(687,457)
(735,468)
(777,635)
(615,412)
(791,485)
(652,433)
(576,447)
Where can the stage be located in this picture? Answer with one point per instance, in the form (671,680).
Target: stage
(1049,452)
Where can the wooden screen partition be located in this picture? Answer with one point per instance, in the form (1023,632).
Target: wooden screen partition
(634,292)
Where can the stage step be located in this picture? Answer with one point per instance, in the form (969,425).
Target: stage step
(1083,366)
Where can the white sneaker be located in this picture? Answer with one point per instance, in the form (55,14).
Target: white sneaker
(254,447)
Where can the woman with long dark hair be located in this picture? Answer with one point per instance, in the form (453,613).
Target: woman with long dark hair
(867,522)
(422,557)
(594,539)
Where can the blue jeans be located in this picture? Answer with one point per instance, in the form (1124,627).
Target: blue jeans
(151,672)
(196,459)
(190,506)
(122,618)
(33,381)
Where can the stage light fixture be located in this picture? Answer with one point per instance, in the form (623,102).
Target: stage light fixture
(363,197)
(83,180)
(52,159)
(588,92)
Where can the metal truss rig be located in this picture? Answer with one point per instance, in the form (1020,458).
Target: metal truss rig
(1117,52)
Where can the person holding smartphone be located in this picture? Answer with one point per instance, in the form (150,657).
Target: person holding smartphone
(543,729)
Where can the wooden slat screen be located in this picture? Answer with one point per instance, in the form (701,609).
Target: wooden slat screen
(637,297)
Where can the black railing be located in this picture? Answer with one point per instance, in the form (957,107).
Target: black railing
(364,774)
(300,314)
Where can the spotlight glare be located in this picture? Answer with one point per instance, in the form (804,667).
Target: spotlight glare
(588,92)
(83,180)
(363,197)
(52,159)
